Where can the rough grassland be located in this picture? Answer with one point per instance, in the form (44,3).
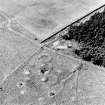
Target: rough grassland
(85,86)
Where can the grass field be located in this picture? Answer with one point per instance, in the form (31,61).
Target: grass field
(70,81)
(14,50)
(80,87)
(44,17)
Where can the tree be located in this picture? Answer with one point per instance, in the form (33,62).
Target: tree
(91,34)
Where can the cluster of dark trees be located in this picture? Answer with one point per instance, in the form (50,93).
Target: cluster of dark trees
(91,37)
